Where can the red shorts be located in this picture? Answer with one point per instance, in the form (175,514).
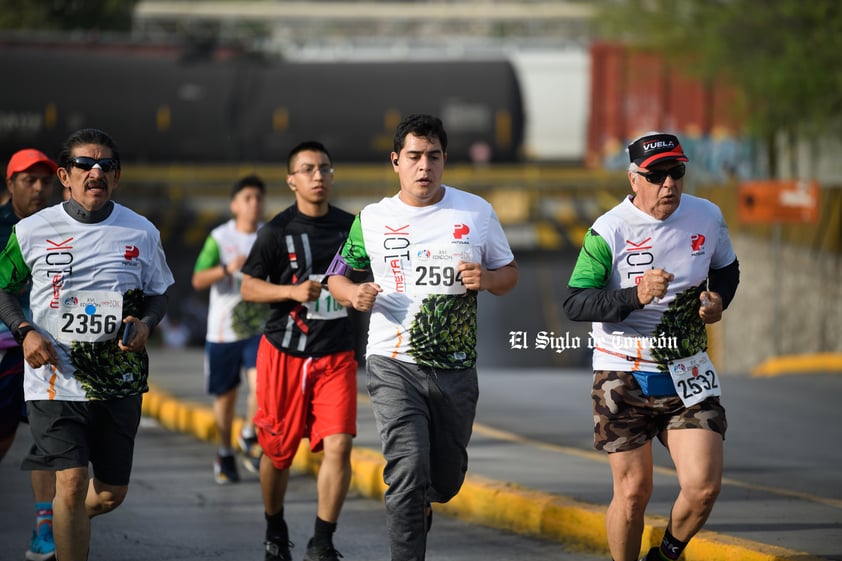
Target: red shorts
(299,397)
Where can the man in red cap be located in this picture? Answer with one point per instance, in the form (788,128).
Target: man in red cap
(30,176)
(653,271)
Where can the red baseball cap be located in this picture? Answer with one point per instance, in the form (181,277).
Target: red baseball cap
(656,147)
(24,159)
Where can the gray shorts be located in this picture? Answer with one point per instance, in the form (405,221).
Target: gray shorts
(625,418)
(71,434)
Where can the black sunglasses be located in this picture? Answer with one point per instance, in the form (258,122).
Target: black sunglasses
(87,164)
(659,176)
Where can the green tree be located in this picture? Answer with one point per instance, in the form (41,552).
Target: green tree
(782,56)
(89,15)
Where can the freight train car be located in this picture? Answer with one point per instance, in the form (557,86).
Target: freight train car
(162,106)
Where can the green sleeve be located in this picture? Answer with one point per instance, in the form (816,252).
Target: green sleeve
(353,252)
(209,256)
(14,273)
(593,267)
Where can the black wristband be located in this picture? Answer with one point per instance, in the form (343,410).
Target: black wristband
(20,333)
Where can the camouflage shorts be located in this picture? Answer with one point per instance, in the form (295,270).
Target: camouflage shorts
(625,419)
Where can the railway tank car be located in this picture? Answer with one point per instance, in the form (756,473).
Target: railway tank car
(163,106)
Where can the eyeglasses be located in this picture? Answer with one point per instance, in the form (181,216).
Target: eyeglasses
(657,177)
(311,170)
(87,164)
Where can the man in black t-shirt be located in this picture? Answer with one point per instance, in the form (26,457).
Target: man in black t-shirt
(306,370)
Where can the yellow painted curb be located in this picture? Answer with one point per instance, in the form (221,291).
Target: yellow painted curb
(486,501)
(715,546)
(799,364)
(582,525)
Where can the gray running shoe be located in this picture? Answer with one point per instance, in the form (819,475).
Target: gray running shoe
(251,452)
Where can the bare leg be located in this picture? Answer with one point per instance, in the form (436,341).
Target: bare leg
(251,401)
(43,486)
(273,485)
(223,414)
(103,498)
(334,476)
(77,500)
(632,474)
(71,521)
(698,458)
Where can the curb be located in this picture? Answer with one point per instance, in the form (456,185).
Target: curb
(799,364)
(485,501)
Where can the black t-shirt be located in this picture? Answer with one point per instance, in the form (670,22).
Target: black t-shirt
(289,249)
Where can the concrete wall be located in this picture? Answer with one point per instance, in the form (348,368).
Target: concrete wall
(789,303)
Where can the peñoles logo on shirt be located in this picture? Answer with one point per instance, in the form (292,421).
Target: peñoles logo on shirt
(460,231)
(697,243)
(132,252)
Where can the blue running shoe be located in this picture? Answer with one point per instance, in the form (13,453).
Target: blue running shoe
(42,547)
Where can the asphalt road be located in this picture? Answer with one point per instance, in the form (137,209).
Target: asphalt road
(175,512)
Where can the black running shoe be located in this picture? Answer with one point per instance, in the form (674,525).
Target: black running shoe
(225,470)
(277,550)
(653,555)
(321,552)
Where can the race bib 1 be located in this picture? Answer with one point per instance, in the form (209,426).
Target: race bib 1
(90,316)
(695,378)
(326,307)
(434,269)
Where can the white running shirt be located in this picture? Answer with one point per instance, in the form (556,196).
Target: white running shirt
(230,318)
(84,277)
(425,315)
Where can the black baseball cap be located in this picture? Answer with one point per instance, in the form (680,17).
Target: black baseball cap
(656,147)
